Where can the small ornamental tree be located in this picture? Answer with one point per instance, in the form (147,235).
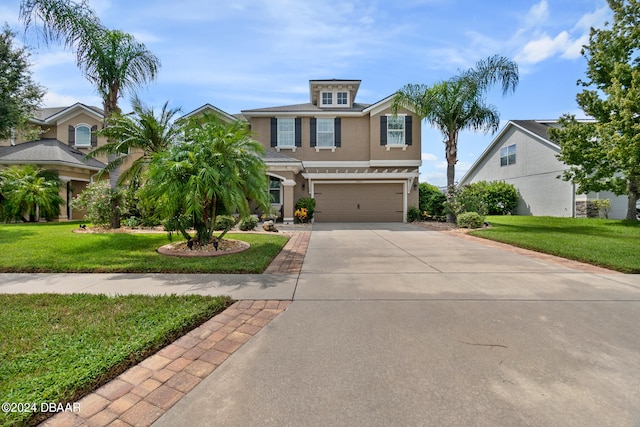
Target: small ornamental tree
(29,191)
(217,164)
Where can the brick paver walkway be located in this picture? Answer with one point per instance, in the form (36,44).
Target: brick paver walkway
(290,258)
(142,394)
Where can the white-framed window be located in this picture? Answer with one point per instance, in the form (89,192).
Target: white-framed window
(83,136)
(286,132)
(343,98)
(325,132)
(327,98)
(395,130)
(274,190)
(508,155)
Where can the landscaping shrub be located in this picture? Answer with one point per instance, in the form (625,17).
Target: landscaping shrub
(431,201)
(99,201)
(501,198)
(248,223)
(470,220)
(224,222)
(309,203)
(413,214)
(466,199)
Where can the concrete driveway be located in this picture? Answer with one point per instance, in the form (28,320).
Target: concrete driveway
(397,325)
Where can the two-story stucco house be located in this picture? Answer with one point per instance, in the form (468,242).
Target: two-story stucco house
(358,161)
(522,154)
(67,136)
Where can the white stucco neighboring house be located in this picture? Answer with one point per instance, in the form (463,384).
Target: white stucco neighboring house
(523,155)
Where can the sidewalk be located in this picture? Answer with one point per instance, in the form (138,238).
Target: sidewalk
(143,393)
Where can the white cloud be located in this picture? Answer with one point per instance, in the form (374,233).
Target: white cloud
(567,43)
(52,59)
(53,99)
(428,157)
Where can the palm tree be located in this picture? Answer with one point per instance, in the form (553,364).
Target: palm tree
(111,59)
(217,164)
(459,104)
(30,191)
(140,132)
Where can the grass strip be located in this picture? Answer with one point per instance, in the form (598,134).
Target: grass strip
(57,348)
(54,248)
(613,244)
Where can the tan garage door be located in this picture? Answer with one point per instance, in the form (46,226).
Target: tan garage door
(358,202)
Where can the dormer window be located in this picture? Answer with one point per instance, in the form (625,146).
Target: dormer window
(334,99)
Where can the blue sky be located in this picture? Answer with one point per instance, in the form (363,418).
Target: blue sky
(245,54)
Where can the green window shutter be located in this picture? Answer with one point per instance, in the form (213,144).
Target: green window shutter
(312,134)
(94,137)
(298,131)
(383,130)
(274,132)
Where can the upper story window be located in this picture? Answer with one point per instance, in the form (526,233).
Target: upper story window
(396,131)
(83,136)
(334,99)
(325,133)
(508,155)
(286,132)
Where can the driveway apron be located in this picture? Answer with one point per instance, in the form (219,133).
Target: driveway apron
(392,324)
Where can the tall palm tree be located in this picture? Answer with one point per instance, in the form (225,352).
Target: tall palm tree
(217,164)
(112,60)
(459,104)
(144,132)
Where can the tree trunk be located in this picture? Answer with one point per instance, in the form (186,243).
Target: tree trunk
(452,159)
(632,200)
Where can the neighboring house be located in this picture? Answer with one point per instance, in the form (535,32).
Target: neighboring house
(67,136)
(523,155)
(358,161)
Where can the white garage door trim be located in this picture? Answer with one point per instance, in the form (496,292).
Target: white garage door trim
(312,185)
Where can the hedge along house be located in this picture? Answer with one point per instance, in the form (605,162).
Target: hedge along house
(522,154)
(358,161)
(68,134)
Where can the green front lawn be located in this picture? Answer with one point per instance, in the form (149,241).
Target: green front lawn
(608,243)
(49,248)
(55,348)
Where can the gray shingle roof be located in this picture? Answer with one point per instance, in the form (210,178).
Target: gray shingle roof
(536,127)
(272,156)
(306,108)
(47,151)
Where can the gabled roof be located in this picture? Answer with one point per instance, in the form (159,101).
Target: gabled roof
(215,110)
(306,108)
(53,114)
(537,129)
(47,151)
